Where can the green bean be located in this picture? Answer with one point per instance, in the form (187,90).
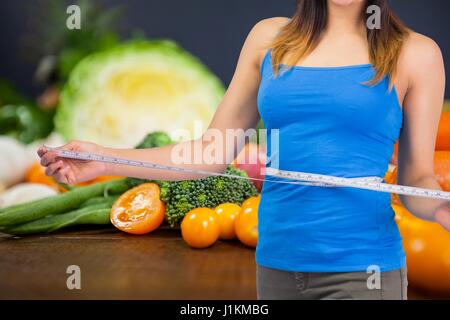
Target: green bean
(95,214)
(99,200)
(60,203)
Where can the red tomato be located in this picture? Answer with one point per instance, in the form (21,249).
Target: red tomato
(252,160)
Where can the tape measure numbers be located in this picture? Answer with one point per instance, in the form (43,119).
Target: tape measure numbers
(292,177)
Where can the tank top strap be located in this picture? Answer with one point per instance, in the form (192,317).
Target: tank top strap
(266,61)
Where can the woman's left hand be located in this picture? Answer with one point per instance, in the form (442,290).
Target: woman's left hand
(442,215)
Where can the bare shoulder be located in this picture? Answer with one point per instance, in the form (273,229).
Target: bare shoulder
(265,31)
(420,53)
(272,25)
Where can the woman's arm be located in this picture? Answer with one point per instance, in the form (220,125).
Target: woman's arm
(422,107)
(238,110)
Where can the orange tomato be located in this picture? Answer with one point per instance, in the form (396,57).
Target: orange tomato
(252,201)
(246,224)
(443,136)
(200,228)
(139,210)
(36,174)
(226,215)
(427,247)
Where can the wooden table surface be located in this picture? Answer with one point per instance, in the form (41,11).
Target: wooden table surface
(115,265)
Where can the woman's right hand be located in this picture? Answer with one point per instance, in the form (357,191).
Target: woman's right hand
(72,171)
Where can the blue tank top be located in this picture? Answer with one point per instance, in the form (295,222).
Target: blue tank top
(329,122)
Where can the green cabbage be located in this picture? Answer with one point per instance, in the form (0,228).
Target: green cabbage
(117,96)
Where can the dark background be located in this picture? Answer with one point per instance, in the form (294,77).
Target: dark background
(213,30)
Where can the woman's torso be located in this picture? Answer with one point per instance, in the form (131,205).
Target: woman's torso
(329,122)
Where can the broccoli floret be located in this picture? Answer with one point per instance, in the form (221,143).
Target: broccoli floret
(182,196)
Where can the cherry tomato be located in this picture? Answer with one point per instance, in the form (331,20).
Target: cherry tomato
(200,228)
(226,215)
(252,201)
(246,224)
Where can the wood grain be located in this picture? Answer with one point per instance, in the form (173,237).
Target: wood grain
(115,265)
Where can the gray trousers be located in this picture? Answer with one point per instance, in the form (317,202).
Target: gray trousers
(273,284)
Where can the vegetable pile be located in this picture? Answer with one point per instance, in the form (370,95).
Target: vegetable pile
(138,206)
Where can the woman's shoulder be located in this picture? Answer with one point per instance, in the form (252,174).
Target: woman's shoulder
(273,24)
(419,53)
(266,30)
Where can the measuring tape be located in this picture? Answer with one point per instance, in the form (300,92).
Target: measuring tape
(294,177)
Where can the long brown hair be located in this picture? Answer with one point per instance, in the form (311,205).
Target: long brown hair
(301,35)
